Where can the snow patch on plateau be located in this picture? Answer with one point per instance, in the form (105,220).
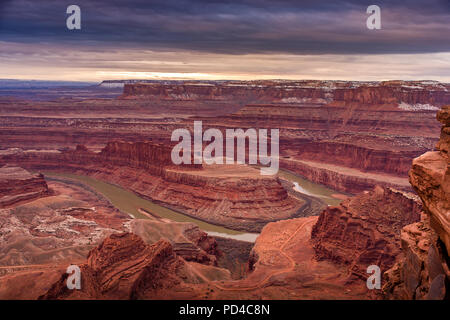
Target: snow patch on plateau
(184,96)
(417,107)
(303,100)
(112,84)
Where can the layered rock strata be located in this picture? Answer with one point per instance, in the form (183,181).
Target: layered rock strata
(18,185)
(365,230)
(430,177)
(377,93)
(424,270)
(125,267)
(369,128)
(362,145)
(187,240)
(235,196)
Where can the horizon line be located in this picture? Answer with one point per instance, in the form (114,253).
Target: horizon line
(219,80)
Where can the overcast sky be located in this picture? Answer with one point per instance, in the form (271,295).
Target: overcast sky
(219,39)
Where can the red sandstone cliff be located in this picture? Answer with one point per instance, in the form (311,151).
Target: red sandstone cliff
(18,185)
(365,230)
(424,271)
(430,177)
(146,155)
(188,241)
(350,147)
(235,196)
(123,266)
(237,91)
(394,93)
(385,93)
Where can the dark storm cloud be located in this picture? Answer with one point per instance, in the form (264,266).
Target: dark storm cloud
(235,27)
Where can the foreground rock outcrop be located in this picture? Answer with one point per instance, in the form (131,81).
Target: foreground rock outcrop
(18,185)
(421,270)
(365,230)
(424,271)
(430,177)
(123,266)
(187,240)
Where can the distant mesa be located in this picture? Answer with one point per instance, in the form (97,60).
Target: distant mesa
(408,94)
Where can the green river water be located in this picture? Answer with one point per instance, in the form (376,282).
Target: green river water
(130,203)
